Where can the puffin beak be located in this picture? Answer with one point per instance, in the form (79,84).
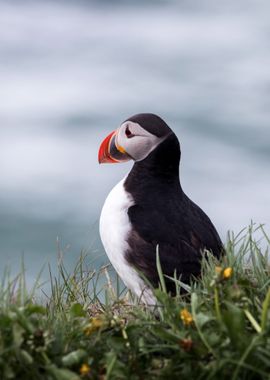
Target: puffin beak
(110,152)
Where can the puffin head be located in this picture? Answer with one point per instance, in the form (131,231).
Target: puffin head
(136,137)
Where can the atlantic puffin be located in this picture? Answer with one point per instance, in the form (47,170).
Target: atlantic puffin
(148,209)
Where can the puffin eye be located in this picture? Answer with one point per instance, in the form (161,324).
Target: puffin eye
(128,133)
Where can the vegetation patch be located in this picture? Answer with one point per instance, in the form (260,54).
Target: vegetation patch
(217,328)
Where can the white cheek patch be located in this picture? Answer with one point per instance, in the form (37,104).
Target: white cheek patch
(143,146)
(140,144)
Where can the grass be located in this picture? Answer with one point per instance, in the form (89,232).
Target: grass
(218,329)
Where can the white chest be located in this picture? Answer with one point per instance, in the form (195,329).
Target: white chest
(114,231)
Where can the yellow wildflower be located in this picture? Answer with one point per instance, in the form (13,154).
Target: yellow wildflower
(85,369)
(94,325)
(227,272)
(218,270)
(186,317)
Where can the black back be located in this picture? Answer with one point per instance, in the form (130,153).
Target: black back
(163,215)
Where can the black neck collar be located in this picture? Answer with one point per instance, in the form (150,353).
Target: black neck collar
(159,170)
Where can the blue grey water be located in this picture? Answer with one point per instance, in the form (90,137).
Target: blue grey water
(71,71)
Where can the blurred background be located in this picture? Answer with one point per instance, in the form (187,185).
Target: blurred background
(72,71)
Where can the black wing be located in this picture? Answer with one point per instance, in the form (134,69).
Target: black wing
(182,235)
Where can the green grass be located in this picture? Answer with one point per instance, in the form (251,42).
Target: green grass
(218,329)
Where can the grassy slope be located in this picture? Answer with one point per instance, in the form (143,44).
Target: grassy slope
(219,329)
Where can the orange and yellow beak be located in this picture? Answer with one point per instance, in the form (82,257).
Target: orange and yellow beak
(110,152)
